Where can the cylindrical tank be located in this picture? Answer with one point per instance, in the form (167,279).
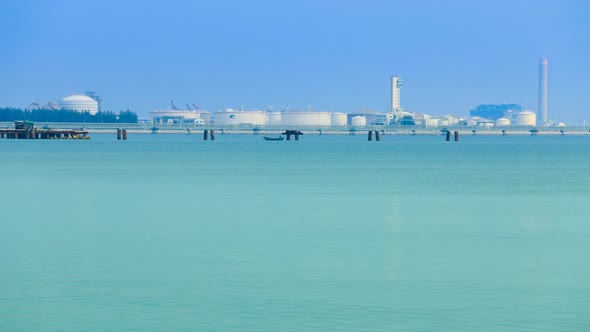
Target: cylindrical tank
(295,118)
(274,119)
(80,103)
(358,121)
(526,118)
(231,117)
(502,122)
(339,119)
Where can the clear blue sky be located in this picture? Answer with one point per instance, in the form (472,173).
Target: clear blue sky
(326,54)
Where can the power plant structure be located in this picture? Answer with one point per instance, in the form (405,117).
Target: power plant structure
(396,109)
(542,111)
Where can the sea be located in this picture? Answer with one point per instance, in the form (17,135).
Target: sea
(328,233)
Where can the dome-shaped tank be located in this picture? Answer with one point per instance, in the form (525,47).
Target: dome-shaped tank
(339,119)
(358,121)
(80,103)
(502,122)
(526,118)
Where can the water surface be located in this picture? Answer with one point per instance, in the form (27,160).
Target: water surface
(169,232)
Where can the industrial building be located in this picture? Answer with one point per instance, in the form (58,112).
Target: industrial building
(494,112)
(372,117)
(396,84)
(171,116)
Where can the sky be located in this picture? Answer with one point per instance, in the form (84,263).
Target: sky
(325,55)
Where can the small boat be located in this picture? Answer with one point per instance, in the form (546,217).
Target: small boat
(280,138)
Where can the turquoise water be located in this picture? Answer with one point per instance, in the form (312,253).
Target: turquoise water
(168,232)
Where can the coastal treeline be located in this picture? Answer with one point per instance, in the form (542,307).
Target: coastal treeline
(65,115)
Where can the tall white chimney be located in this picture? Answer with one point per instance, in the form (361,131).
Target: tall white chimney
(542,111)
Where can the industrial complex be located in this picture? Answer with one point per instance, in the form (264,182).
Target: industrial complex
(484,115)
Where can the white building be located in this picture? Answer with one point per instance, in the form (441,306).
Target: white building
(180,117)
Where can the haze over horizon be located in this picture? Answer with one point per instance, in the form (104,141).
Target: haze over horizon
(326,54)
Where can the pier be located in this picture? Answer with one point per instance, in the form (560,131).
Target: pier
(247,129)
(27,130)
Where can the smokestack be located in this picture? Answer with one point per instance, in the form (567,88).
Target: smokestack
(542,111)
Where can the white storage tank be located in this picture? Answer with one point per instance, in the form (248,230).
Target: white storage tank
(339,119)
(80,103)
(526,118)
(231,117)
(358,121)
(502,122)
(274,119)
(296,118)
